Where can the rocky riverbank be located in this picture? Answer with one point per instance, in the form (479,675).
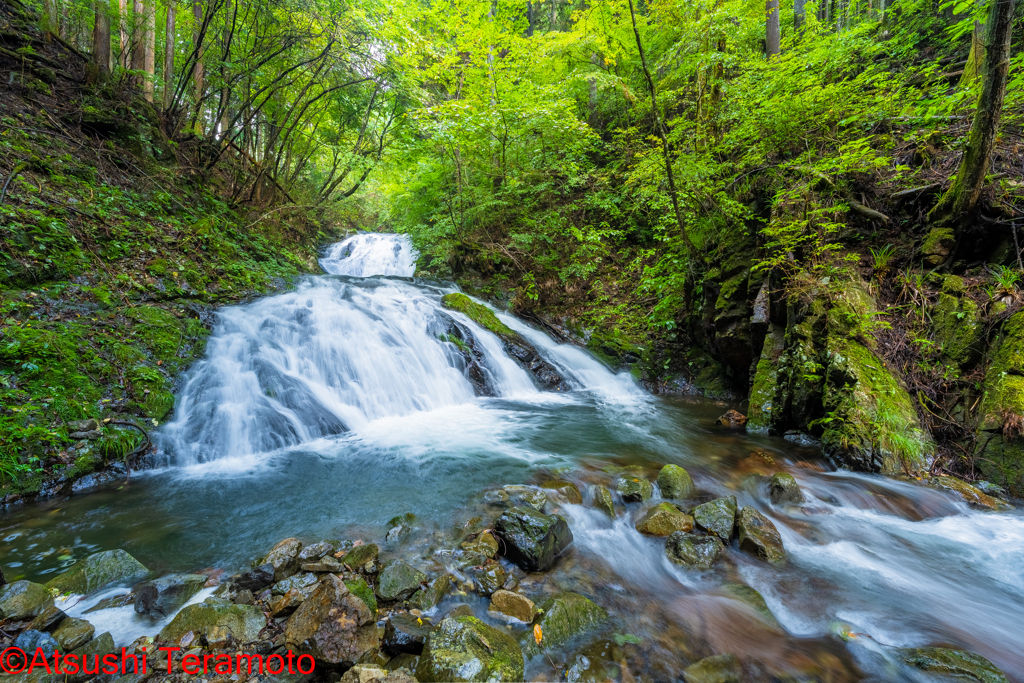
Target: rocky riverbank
(483,601)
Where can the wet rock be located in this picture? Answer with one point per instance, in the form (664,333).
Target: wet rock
(717,669)
(244,597)
(732,418)
(469,557)
(83,426)
(283,605)
(85,436)
(405,633)
(324,564)
(314,551)
(113,602)
(664,519)
(489,579)
(284,558)
(47,619)
(532,540)
(73,633)
(399,581)
(485,544)
(694,551)
(243,622)
(29,641)
(466,649)
(359,588)
(99,571)
(567,489)
(634,489)
(603,500)
(401,526)
(717,516)
(23,599)
(100,645)
(512,605)
(783,489)
(368,673)
(360,555)
(675,482)
(496,497)
(333,624)
(759,536)
(528,495)
(971,495)
(561,618)
(511,580)
(256,579)
(459,611)
(427,598)
(751,598)
(168,593)
(937,245)
(403,661)
(298,581)
(953,663)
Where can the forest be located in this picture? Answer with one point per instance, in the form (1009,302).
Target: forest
(805,215)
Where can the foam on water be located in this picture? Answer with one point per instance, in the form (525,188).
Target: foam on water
(369,254)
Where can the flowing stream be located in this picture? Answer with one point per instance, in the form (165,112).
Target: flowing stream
(327,410)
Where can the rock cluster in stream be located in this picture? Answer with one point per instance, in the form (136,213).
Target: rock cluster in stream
(391,613)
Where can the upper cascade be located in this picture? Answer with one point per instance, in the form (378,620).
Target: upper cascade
(369,254)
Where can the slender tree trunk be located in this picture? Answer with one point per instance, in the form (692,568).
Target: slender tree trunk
(529,18)
(101,37)
(199,73)
(149,48)
(137,29)
(976,57)
(49,17)
(799,14)
(554,15)
(773,34)
(663,133)
(962,197)
(169,36)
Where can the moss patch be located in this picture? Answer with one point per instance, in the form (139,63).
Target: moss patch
(478,313)
(999,457)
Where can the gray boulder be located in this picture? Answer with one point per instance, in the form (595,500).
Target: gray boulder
(213,618)
(166,594)
(466,649)
(783,489)
(99,571)
(332,624)
(532,540)
(694,551)
(717,516)
(23,599)
(399,581)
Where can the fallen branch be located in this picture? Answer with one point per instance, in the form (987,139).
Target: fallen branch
(18,168)
(916,190)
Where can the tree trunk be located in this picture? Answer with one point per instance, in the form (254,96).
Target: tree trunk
(554,15)
(137,28)
(799,13)
(976,57)
(199,73)
(962,197)
(773,34)
(149,48)
(101,37)
(49,17)
(169,35)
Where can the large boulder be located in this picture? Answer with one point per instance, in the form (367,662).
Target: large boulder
(693,551)
(522,351)
(488,578)
(360,555)
(333,624)
(399,581)
(532,540)
(466,649)
(717,516)
(664,519)
(603,501)
(405,633)
(566,489)
(284,558)
(675,482)
(73,633)
(168,593)
(29,641)
(256,579)
(634,489)
(23,599)
(759,536)
(999,446)
(98,571)
(561,618)
(213,618)
(956,664)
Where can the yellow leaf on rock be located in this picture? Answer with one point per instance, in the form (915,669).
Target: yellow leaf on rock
(538,634)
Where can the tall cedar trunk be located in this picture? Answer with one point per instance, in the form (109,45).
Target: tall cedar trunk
(49,16)
(962,197)
(554,15)
(101,36)
(169,35)
(799,13)
(529,18)
(663,133)
(137,29)
(976,57)
(199,73)
(149,48)
(225,91)
(772,32)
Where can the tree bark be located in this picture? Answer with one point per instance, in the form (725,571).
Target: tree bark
(101,37)
(799,13)
(962,197)
(773,34)
(149,48)
(554,15)
(199,73)
(663,133)
(169,36)
(137,29)
(976,57)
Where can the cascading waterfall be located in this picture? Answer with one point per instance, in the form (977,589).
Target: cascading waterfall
(335,354)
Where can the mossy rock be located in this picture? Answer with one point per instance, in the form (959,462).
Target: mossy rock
(664,519)
(243,621)
(957,328)
(675,482)
(603,501)
(693,551)
(937,245)
(999,456)
(466,649)
(23,599)
(765,387)
(717,516)
(359,588)
(562,618)
(634,489)
(758,536)
(716,669)
(99,571)
(478,313)
(953,663)
(399,581)
(360,555)
(427,598)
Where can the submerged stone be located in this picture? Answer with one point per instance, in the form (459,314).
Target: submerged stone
(99,571)
(717,669)
(634,489)
(489,578)
(675,482)
(530,495)
(427,598)
(603,500)
(561,618)
(360,555)
(512,605)
(957,664)
(717,516)
(567,489)
(759,536)
(168,593)
(532,540)
(405,633)
(783,489)
(466,649)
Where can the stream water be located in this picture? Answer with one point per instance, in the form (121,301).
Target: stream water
(325,411)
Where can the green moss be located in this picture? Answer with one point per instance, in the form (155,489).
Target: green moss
(1001,459)
(764,389)
(957,329)
(478,313)
(954,284)
(937,245)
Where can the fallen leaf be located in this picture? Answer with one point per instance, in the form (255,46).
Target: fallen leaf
(538,634)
